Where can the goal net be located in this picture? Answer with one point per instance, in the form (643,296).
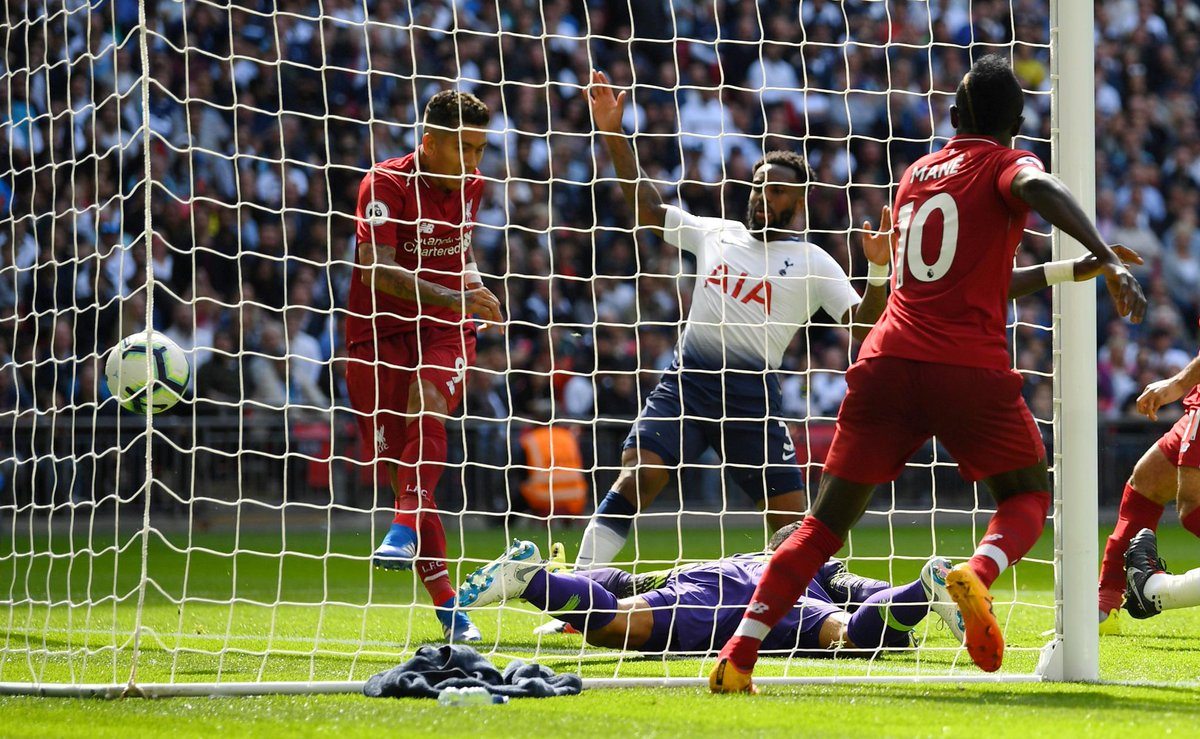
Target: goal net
(195,166)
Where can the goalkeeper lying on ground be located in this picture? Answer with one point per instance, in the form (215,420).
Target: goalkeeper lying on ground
(697,608)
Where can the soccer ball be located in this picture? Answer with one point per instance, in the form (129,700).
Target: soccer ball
(127,378)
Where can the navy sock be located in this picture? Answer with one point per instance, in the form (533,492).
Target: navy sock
(887,617)
(616,513)
(578,600)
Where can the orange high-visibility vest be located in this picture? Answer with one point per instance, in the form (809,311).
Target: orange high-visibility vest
(555,482)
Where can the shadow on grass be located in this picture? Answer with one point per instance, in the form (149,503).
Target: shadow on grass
(1115,698)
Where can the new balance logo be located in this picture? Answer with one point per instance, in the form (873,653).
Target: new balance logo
(426,227)
(758,608)
(991,537)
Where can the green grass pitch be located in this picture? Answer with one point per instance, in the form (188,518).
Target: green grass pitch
(274,632)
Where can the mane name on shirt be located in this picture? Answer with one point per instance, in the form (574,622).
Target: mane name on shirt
(937,171)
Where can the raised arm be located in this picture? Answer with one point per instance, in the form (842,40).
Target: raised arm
(877,246)
(380,272)
(1051,199)
(1028,280)
(1164,392)
(640,193)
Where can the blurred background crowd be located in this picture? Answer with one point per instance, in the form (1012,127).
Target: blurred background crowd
(264,116)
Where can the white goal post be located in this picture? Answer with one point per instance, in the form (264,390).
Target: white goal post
(194,166)
(1076,461)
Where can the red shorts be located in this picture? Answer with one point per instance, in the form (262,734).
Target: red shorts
(379,375)
(893,406)
(1179,444)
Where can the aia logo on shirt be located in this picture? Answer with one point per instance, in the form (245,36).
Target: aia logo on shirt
(740,286)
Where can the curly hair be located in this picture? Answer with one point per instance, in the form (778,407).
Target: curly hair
(451,109)
(791,160)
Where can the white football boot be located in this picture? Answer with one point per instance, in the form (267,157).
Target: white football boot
(503,578)
(933,579)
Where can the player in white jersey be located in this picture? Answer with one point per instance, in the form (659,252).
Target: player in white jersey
(757,284)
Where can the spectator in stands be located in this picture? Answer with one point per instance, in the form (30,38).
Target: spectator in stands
(222,383)
(253,226)
(547,466)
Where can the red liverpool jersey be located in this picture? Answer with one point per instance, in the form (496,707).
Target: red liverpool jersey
(429,227)
(959,227)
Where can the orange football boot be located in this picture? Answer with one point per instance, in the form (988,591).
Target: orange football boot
(985,642)
(727,678)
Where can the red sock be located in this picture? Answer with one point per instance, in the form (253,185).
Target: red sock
(431,554)
(789,572)
(423,457)
(1137,512)
(1191,521)
(1012,532)
(406,509)
(407,503)
(422,461)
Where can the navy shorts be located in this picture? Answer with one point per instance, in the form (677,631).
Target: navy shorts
(698,610)
(736,414)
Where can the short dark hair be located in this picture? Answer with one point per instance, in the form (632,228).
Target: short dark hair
(450,109)
(989,98)
(789,159)
(781,535)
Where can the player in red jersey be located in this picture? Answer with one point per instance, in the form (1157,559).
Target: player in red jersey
(1168,471)
(937,364)
(407,329)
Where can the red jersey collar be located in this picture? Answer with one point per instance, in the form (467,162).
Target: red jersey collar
(965,137)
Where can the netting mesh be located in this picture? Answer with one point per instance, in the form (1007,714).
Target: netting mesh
(244,555)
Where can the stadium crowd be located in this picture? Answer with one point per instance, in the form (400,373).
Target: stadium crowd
(262,129)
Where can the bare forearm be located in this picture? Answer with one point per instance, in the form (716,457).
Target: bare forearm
(401,283)
(864,316)
(1188,377)
(1026,281)
(639,192)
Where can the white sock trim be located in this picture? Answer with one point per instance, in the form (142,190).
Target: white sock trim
(753,629)
(599,547)
(994,553)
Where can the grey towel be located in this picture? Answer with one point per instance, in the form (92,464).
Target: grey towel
(433,669)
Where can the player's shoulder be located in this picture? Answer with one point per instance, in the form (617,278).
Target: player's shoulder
(809,256)
(385,188)
(706,223)
(398,172)
(1022,157)
(993,151)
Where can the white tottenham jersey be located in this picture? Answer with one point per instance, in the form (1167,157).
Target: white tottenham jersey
(751,297)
